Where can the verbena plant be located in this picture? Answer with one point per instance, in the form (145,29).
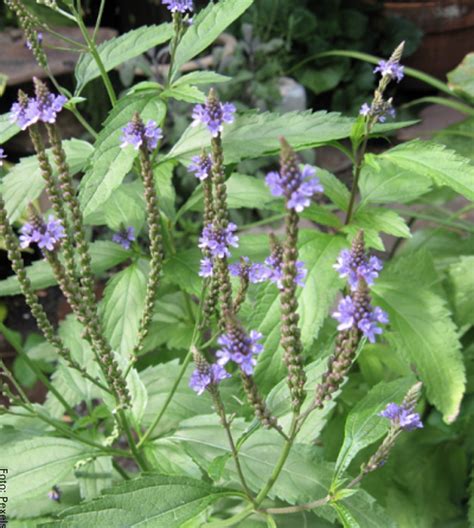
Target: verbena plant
(253,380)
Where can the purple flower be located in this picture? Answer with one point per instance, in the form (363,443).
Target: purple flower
(201,166)
(44,107)
(39,40)
(180,6)
(364,110)
(137,134)
(213,114)
(2,156)
(391,68)
(274,271)
(297,186)
(355,267)
(240,348)
(256,272)
(366,320)
(202,378)
(217,241)
(54,494)
(400,416)
(47,236)
(125,237)
(207,267)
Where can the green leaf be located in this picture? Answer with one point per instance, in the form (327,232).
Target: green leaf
(163,175)
(242,191)
(120,49)
(154,501)
(201,77)
(7,128)
(385,182)
(461,79)
(158,381)
(374,220)
(35,465)
(361,510)
(104,255)
(125,207)
(434,161)
(363,425)
(24,183)
(319,253)
(423,333)
(122,307)
(110,163)
(184,92)
(304,477)
(207,25)
(253,135)
(334,189)
(182,269)
(94,477)
(461,289)
(459,137)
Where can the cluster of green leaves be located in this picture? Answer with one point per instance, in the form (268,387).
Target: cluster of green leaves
(427,291)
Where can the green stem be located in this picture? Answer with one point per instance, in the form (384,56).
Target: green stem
(95,54)
(437,219)
(137,455)
(232,521)
(119,469)
(99,19)
(83,122)
(359,158)
(450,103)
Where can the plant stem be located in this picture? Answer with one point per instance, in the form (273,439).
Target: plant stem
(299,507)
(83,122)
(95,54)
(119,469)
(137,455)
(99,19)
(359,158)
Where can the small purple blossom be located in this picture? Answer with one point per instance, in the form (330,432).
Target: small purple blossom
(125,237)
(349,316)
(39,40)
(391,68)
(381,112)
(31,111)
(274,271)
(180,6)
(256,272)
(207,267)
(218,241)
(364,110)
(54,494)
(213,114)
(353,268)
(240,348)
(400,416)
(136,134)
(47,236)
(201,166)
(2,156)
(201,379)
(298,187)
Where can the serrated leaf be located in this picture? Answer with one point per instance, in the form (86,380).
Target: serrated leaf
(122,307)
(389,183)
(104,255)
(24,182)
(461,289)
(125,207)
(424,334)
(253,135)
(110,163)
(134,503)
(36,464)
(319,253)
(120,49)
(201,77)
(184,92)
(7,128)
(361,510)
(207,25)
(363,425)
(461,78)
(434,161)
(182,269)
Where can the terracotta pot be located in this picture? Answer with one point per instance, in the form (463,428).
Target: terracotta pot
(448,27)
